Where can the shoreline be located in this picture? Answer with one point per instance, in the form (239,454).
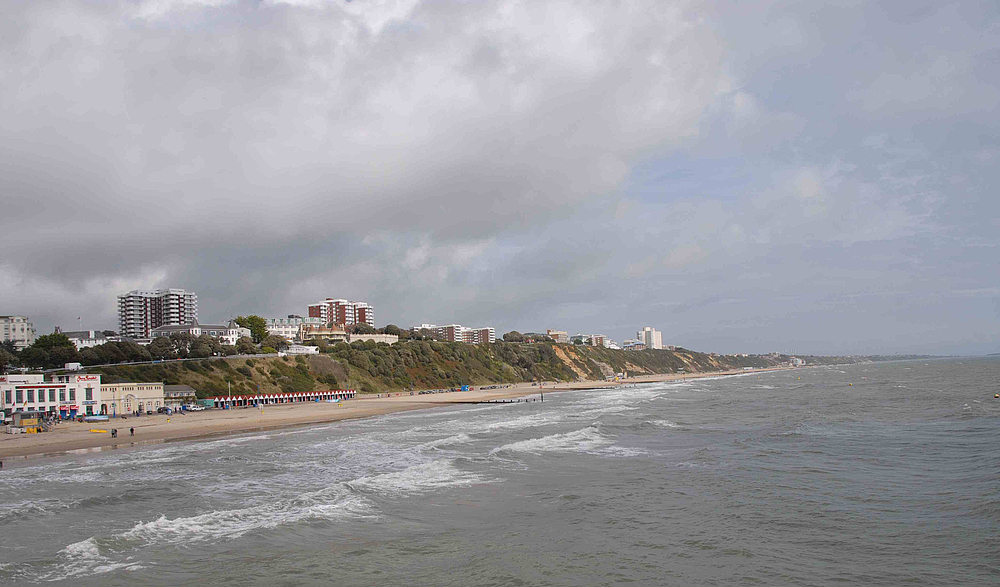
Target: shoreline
(72,437)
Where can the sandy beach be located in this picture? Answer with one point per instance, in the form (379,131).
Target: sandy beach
(75,436)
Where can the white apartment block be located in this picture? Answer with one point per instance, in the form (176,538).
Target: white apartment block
(18,330)
(652,338)
(140,311)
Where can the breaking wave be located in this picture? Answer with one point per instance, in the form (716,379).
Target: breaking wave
(418,478)
(587,439)
(334,502)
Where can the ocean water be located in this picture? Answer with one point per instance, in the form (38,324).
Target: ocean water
(786,478)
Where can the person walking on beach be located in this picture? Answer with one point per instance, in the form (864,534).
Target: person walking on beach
(131,431)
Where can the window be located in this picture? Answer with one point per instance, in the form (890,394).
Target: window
(31,395)
(7,398)
(20,396)
(89,393)
(62,394)
(52,395)
(72,394)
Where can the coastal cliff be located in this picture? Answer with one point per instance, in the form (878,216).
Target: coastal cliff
(370,368)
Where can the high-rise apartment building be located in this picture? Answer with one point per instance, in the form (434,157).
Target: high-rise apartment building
(18,330)
(140,311)
(485,334)
(459,333)
(343,312)
(653,339)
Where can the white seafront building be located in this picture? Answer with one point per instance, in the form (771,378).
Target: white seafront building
(67,396)
(227,333)
(290,328)
(85,339)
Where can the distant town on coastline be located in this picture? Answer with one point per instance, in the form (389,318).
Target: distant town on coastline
(147,316)
(162,357)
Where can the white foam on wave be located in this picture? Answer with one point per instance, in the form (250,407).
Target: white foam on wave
(31,508)
(460,438)
(604,410)
(664,423)
(419,478)
(587,439)
(521,422)
(334,502)
(84,558)
(488,424)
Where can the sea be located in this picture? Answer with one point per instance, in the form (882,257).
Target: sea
(868,474)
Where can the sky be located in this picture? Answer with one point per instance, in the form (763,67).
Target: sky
(803,177)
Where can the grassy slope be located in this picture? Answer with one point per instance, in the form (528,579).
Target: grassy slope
(370,367)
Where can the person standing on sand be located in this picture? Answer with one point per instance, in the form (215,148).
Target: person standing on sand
(131,431)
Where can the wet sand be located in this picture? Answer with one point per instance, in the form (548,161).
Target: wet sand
(73,436)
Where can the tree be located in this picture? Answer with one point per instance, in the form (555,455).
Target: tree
(361,329)
(50,341)
(182,341)
(34,357)
(110,353)
(109,333)
(213,344)
(257,326)
(7,360)
(199,350)
(245,346)
(513,336)
(161,348)
(132,351)
(229,350)
(10,346)
(391,329)
(274,341)
(61,355)
(90,357)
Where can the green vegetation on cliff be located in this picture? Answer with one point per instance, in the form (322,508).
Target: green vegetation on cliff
(376,367)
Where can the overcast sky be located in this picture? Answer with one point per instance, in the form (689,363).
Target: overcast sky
(744,177)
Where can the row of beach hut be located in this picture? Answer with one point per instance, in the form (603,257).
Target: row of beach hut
(264,399)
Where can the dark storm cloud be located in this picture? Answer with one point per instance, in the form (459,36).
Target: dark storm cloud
(740,177)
